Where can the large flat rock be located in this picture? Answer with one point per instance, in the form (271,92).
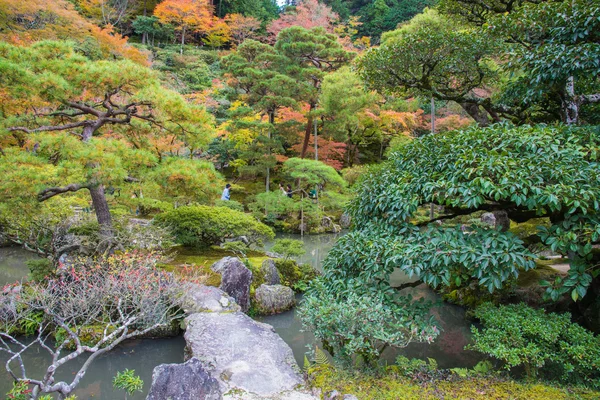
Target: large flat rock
(197,298)
(246,357)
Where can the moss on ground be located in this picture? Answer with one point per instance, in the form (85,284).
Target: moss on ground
(543,271)
(392,387)
(203,259)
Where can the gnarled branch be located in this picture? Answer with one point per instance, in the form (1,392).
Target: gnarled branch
(53,191)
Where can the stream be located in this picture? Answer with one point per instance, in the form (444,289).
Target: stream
(144,354)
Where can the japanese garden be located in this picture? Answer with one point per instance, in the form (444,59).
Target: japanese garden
(299,199)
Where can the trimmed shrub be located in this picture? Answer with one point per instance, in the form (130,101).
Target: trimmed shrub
(205,226)
(522,336)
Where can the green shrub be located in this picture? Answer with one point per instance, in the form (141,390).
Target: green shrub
(40,269)
(522,336)
(205,226)
(289,248)
(147,206)
(359,326)
(237,247)
(289,271)
(353,174)
(234,205)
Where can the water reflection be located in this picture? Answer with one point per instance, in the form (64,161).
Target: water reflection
(448,348)
(317,246)
(141,355)
(12,264)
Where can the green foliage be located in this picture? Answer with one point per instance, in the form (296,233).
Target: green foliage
(205,226)
(289,271)
(19,391)
(358,326)
(312,172)
(556,41)
(128,381)
(352,174)
(321,357)
(446,61)
(237,247)
(40,269)
(522,336)
(148,206)
(289,248)
(414,366)
(501,167)
(234,205)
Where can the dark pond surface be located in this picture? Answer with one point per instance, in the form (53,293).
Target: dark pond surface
(144,355)
(447,350)
(141,355)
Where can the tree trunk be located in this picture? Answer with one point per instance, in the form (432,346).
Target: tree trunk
(102,211)
(308,131)
(272,122)
(481,117)
(182,39)
(569,108)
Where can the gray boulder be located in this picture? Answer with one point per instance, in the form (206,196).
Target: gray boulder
(488,218)
(498,219)
(199,298)
(345,221)
(270,272)
(244,356)
(273,299)
(235,280)
(188,381)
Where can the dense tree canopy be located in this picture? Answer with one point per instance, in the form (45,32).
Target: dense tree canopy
(446,60)
(70,123)
(527,172)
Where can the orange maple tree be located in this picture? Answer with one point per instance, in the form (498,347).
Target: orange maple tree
(241,27)
(186,15)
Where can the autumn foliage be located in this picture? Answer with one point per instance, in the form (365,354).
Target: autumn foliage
(185,15)
(25,22)
(307,14)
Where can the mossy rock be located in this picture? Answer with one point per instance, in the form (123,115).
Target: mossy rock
(528,228)
(470,296)
(542,271)
(289,271)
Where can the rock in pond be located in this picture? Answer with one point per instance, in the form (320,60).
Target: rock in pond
(345,221)
(199,298)
(188,381)
(235,280)
(273,299)
(270,272)
(247,358)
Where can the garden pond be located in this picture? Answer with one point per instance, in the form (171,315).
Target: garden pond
(143,355)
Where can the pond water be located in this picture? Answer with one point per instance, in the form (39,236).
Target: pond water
(12,264)
(447,350)
(141,355)
(144,355)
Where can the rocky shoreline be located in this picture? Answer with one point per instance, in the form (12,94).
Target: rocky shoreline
(228,354)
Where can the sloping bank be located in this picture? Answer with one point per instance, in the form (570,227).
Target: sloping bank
(229,356)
